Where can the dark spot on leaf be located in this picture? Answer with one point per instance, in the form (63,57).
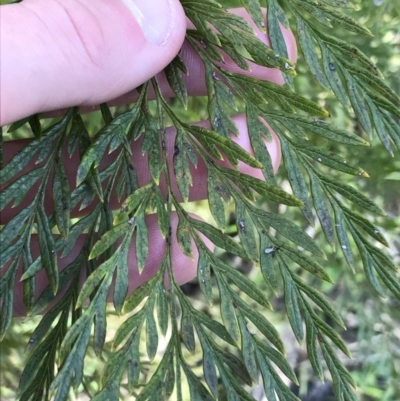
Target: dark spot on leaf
(332,67)
(131,167)
(176,151)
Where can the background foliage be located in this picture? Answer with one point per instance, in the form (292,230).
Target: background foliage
(372,322)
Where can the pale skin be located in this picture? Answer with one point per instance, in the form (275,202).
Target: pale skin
(57,54)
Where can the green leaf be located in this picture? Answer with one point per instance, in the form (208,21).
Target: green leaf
(276,35)
(292,304)
(62,199)
(268,268)
(265,327)
(173,73)
(204,274)
(332,69)
(352,194)
(244,283)
(331,160)
(296,178)
(13,227)
(288,229)
(214,326)
(218,238)
(151,331)
(181,165)
(19,188)
(344,20)
(139,294)
(254,10)
(277,358)
(142,241)
(22,158)
(212,140)
(7,283)
(258,131)
(389,280)
(227,309)
(108,239)
(162,309)
(198,392)
(216,191)
(320,300)
(365,224)
(319,127)
(322,209)
(248,350)
(341,230)
(311,342)
(271,192)
(217,91)
(310,54)
(236,366)
(96,277)
(47,249)
(115,131)
(246,229)
(303,260)
(187,331)
(184,238)
(210,373)
(133,323)
(332,334)
(377,83)
(133,201)
(359,104)
(121,280)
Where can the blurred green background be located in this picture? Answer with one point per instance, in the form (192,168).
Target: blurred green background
(373,334)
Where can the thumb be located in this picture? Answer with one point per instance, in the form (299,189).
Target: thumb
(62,53)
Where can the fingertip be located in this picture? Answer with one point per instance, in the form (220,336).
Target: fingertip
(57,54)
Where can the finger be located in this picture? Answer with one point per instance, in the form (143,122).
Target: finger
(57,54)
(198,190)
(195,82)
(184,268)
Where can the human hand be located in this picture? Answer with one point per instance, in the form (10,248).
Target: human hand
(61,54)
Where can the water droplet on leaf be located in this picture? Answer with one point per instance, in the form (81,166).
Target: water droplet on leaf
(241,226)
(215,76)
(288,66)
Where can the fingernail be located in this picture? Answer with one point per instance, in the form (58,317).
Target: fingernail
(154,17)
